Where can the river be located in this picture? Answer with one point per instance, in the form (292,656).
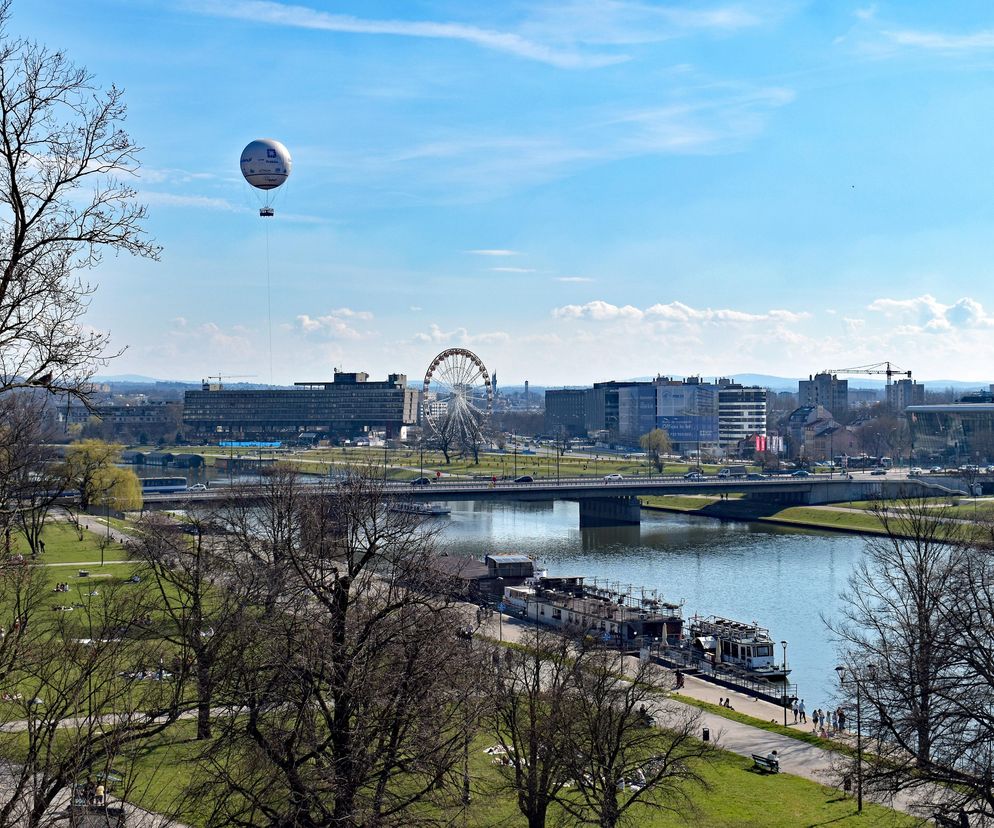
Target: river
(782,578)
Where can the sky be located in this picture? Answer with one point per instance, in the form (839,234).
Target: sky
(576,191)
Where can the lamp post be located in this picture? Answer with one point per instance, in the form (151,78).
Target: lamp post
(856,679)
(784,645)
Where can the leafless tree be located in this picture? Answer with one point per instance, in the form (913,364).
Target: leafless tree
(531,715)
(350,704)
(197,590)
(80,689)
(63,155)
(621,761)
(910,649)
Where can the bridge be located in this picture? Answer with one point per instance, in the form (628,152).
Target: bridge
(605,502)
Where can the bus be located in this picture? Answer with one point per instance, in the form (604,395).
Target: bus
(163,485)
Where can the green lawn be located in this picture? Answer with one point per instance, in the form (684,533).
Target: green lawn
(737,796)
(63,546)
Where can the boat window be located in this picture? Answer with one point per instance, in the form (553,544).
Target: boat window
(764,651)
(557,613)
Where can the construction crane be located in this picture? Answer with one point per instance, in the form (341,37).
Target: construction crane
(208,385)
(886,368)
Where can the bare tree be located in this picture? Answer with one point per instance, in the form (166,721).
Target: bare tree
(350,704)
(913,663)
(198,591)
(628,751)
(80,689)
(62,155)
(531,714)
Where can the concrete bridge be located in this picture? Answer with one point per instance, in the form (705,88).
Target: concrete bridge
(606,502)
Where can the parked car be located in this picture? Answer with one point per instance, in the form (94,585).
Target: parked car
(525,478)
(610,477)
(421,481)
(800,473)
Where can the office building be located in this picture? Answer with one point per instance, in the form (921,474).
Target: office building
(955,434)
(348,406)
(565,412)
(741,413)
(687,410)
(826,390)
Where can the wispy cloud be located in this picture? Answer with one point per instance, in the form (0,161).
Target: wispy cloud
(494,252)
(175,200)
(573,279)
(942,41)
(512,269)
(303,17)
(460,336)
(678,312)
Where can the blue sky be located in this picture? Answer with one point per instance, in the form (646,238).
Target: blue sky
(575,190)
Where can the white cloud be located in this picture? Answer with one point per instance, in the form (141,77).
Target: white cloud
(512,269)
(927,314)
(175,200)
(576,279)
(494,252)
(867,13)
(941,41)
(333,325)
(460,336)
(674,312)
(264,12)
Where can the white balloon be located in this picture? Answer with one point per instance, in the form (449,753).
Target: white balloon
(266,163)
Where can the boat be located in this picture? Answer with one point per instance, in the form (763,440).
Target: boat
(420,509)
(737,646)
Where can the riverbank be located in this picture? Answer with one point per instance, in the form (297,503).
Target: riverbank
(823,518)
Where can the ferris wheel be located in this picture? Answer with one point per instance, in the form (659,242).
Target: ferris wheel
(457,396)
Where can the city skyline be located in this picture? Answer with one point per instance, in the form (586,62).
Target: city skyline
(576,191)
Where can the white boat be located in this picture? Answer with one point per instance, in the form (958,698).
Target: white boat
(420,509)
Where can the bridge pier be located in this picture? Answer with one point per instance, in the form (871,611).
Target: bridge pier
(609,511)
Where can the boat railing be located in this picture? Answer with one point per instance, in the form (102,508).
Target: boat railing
(740,678)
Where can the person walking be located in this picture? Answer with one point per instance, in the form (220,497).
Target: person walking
(833,721)
(842,719)
(800,711)
(793,708)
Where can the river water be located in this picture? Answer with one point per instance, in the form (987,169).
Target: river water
(784,579)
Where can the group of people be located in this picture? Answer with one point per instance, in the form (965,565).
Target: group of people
(726,703)
(92,794)
(61,587)
(824,722)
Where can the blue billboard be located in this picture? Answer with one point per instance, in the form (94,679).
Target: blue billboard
(688,428)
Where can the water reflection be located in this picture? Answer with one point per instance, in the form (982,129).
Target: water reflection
(782,578)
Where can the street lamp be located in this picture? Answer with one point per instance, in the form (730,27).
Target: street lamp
(856,679)
(785,685)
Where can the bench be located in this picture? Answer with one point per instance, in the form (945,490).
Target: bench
(765,765)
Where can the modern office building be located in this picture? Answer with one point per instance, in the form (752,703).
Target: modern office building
(687,410)
(565,412)
(348,406)
(826,390)
(956,433)
(905,392)
(741,413)
(636,410)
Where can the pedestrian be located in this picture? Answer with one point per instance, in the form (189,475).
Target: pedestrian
(793,708)
(98,795)
(800,711)
(834,721)
(842,719)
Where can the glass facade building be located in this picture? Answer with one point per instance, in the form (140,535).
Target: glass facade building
(957,433)
(346,407)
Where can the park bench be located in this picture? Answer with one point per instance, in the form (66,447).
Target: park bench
(764,764)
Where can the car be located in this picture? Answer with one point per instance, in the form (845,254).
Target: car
(915,472)
(693,475)
(197,487)
(525,478)
(800,473)
(879,471)
(421,481)
(755,476)
(613,477)
(935,470)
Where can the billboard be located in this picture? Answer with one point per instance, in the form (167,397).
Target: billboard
(250,444)
(689,428)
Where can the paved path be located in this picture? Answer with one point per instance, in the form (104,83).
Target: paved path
(796,757)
